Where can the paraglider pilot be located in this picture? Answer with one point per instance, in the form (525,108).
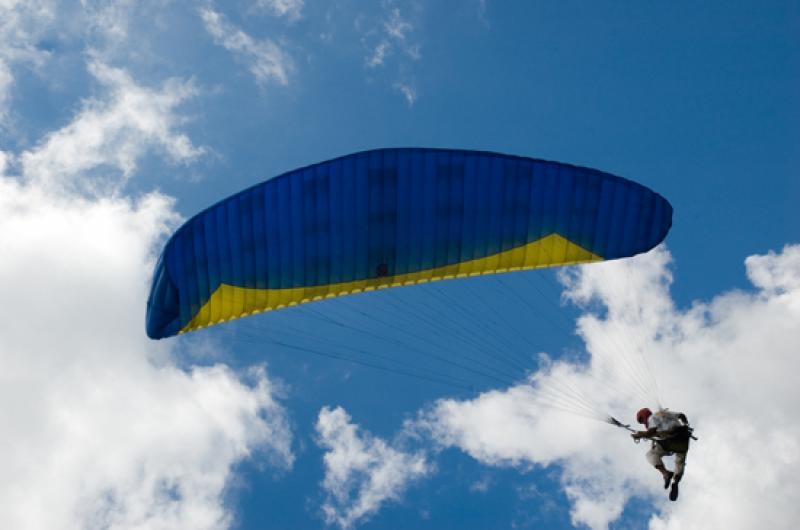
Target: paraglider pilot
(670,433)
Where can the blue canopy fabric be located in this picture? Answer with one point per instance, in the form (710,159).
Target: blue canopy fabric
(393,217)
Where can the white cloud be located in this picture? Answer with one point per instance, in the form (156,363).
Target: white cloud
(5,162)
(728,363)
(481,486)
(110,135)
(22,24)
(408,91)
(775,273)
(267,61)
(361,472)
(378,54)
(49,37)
(291,9)
(6,80)
(390,43)
(392,33)
(396,26)
(99,428)
(109,19)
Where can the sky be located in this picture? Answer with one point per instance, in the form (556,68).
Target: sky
(121,120)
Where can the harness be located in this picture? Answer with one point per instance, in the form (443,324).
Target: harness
(678,442)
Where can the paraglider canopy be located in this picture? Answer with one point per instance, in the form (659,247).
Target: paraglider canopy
(393,217)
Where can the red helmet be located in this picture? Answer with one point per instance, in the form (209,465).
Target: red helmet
(643,415)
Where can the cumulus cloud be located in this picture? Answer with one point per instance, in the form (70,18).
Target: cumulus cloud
(100,428)
(361,472)
(266,60)
(112,133)
(728,363)
(775,273)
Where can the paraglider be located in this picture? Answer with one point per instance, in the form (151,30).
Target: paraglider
(395,217)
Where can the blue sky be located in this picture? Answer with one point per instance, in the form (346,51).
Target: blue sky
(120,120)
